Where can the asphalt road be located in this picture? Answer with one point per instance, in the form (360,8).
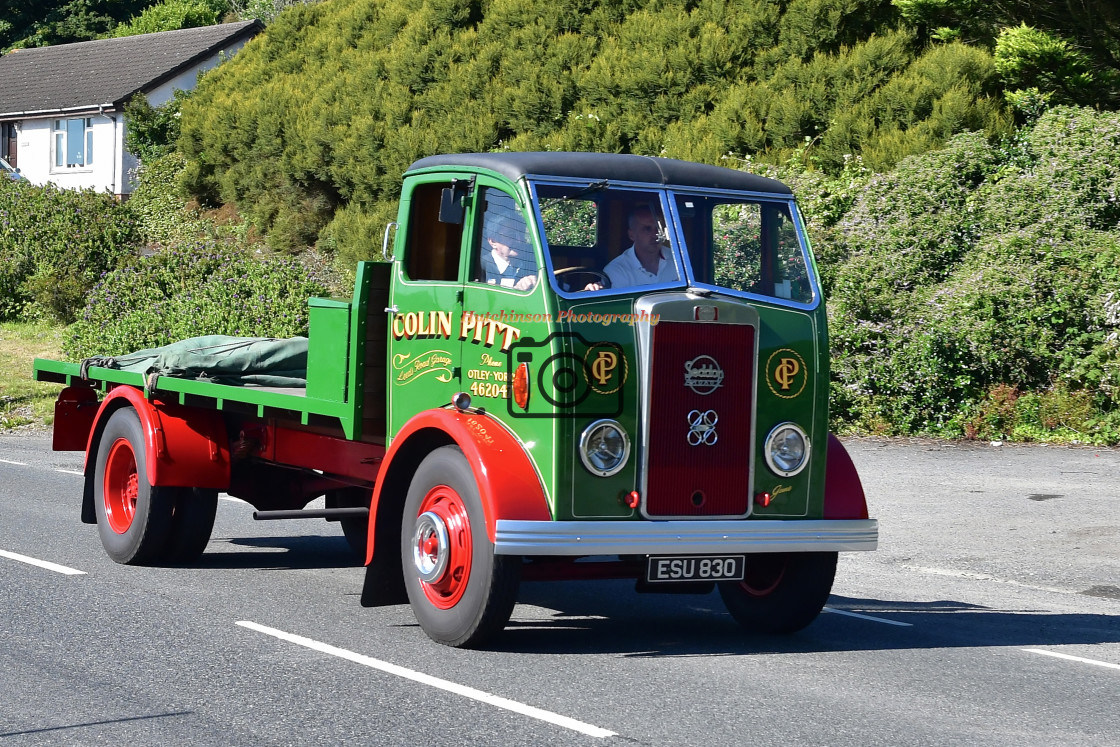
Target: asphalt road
(990,615)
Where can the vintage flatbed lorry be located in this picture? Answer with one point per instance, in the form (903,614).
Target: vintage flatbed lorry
(574,366)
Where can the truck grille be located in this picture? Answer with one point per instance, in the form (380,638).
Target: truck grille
(701,385)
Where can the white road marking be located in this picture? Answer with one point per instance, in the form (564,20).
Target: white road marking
(42,563)
(1056,655)
(983,577)
(867,617)
(9,461)
(71,472)
(426,679)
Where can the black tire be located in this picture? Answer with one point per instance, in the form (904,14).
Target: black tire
(782,592)
(470,598)
(356,531)
(133,517)
(192,522)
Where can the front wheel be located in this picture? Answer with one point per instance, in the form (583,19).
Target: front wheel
(781,592)
(133,516)
(460,591)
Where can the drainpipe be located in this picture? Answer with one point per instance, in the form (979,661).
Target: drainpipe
(101,113)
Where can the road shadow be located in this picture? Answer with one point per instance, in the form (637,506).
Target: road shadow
(611,618)
(278,553)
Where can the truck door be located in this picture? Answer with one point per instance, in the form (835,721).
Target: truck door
(503,298)
(426,302)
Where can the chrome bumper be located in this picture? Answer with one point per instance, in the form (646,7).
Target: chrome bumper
(683,537)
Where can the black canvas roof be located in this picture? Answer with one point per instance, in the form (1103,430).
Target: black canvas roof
(85,75)
(611,166)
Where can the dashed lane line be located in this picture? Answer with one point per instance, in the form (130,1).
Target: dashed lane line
(9,461)
(71,472)
(1067,657)
(867,617)
(426,679)
(42,563)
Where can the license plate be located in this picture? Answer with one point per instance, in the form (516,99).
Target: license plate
(670,568)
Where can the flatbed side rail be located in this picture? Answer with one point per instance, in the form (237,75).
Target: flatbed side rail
(289,403)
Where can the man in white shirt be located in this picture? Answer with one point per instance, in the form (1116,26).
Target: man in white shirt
(645,262)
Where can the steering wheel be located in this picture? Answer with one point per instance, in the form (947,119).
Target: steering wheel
(600,277)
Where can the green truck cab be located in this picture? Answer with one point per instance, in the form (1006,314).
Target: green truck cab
(575,366)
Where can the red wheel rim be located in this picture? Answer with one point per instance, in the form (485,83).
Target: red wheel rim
(121,485)
(761,579)
(445,591)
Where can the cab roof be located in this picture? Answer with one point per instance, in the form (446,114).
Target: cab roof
(621,167)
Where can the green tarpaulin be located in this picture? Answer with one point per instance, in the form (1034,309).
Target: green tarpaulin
(259,361)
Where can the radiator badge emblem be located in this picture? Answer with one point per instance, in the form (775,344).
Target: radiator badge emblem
(703,375)
(786,373)
(702,428)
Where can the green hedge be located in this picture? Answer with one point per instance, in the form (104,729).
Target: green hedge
(190,291)
(974,287)
(54,245)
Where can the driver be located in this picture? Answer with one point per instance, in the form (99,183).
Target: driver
(644,263)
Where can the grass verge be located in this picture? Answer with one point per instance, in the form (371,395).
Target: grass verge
(23,401)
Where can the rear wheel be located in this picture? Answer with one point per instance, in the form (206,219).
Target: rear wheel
(460,591)
(192,522)
(356,530)
(781,592)
(133,517)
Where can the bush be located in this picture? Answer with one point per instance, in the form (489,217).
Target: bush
(975,288)
(172,15)
(55,244)
(192,291)
(157,204)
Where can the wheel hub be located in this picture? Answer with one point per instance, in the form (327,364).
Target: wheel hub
(430,547)
(121,486)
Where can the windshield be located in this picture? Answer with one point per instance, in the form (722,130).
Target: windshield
(606,239)
(745,245)
(602,238)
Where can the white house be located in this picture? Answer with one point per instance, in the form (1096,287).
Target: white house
(62,108)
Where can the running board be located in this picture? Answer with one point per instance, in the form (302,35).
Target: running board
(330,514)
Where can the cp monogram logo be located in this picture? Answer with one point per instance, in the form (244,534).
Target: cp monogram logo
(786,374)
(605,367)
(786,370)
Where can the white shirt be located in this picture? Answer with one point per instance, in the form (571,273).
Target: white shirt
(626,270)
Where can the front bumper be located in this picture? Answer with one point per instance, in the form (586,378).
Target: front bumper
(683,537)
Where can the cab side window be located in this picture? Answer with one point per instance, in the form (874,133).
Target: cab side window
(504,252)
(433,248)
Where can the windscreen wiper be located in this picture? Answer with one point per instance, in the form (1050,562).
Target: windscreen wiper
(592,187)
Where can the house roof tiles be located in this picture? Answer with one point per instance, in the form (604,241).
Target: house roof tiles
(85,75)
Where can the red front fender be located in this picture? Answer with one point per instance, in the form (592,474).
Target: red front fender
(507,481)
(843,491)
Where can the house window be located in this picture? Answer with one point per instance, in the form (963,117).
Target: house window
(73,142)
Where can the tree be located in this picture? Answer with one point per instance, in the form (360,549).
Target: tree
(1084,35)
(1029,58)
(172,15)
(30,23)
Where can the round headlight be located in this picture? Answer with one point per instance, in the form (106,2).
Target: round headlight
(787,449)
(604,448)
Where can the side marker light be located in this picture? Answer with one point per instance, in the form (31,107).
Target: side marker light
(521,386)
